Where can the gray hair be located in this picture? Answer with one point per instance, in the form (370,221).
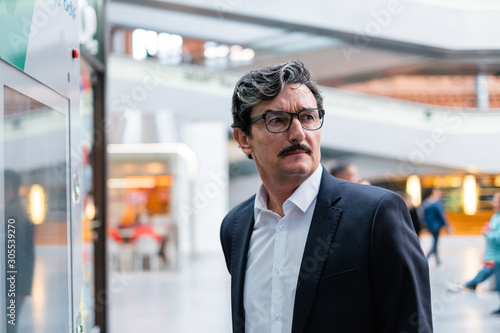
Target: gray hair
(265,84)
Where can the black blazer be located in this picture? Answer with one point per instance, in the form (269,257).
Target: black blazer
(363,269)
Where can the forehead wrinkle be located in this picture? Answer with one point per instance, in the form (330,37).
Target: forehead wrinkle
(291,99)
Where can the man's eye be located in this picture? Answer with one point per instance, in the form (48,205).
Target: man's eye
(307,117)
(276,120)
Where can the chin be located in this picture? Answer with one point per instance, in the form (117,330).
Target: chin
(302,169)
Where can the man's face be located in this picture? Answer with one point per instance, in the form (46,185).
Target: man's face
(267,149)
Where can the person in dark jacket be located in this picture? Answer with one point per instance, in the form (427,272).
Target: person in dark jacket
(435,219)
(415,213)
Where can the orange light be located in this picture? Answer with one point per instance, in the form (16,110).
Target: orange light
(413,188)
(497,181)
(470,195)
(164,181)
(37,204)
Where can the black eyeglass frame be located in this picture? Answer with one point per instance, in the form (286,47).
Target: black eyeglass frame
(321,113)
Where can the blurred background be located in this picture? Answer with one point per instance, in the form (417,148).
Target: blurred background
(412,99)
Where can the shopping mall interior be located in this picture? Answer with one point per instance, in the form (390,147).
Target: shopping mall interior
(411,93)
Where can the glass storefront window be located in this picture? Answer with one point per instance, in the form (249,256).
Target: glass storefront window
(34,189)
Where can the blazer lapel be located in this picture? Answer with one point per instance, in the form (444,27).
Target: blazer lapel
(324,224)
(240,242)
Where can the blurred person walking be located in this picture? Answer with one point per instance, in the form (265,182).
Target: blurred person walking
(493,242)
(435,219)
(415,213)
(482,275)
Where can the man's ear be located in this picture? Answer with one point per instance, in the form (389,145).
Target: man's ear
(243,140)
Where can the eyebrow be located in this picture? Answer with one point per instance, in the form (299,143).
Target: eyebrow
(304,109)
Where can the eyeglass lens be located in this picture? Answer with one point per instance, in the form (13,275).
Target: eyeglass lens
(279,121)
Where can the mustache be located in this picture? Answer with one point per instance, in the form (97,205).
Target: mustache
(293,148)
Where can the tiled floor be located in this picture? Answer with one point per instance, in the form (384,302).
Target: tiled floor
(195,298)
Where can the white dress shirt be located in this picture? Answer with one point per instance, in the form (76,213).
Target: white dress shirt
(274,258)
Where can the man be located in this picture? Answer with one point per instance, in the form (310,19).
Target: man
(347,171)
(309,252)
(493,242)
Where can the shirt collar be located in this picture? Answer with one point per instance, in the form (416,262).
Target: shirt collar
(307,191)
(302,197)
(261,198)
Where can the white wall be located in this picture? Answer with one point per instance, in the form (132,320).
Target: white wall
(209,201)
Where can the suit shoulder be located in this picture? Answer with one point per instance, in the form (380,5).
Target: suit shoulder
(366,195)
(367,190)
(249,203)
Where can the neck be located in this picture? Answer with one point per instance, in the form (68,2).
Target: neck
(279,190)
(278,193)
(276,200)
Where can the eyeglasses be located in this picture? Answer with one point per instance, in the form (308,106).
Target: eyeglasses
(280,121)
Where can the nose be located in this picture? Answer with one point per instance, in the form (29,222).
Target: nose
(296,132)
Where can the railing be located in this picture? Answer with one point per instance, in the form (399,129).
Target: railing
(410,132)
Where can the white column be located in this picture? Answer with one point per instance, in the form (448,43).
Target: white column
(209,203)
(482,91)
(166,126)
(132,132)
